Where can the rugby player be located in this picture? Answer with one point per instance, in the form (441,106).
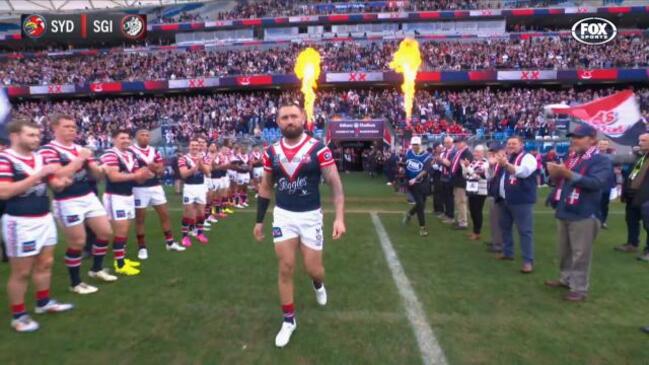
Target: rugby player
(150,194)
(193,170)
(296,163)
(77,206)
(27,225)
(122,172)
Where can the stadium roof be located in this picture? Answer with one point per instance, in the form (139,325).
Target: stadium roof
(18,6)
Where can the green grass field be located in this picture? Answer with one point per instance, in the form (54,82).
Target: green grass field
(218,304)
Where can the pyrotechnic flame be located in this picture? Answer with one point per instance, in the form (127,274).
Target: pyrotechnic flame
(406,60)
(307,69)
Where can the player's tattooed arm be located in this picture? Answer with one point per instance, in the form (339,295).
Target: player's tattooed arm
(331,176)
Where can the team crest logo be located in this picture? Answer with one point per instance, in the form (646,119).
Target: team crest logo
(137,202)
(120,214)
(34,26)
(327,156)
(72,218)
(133,26)
(29,246)
(277,232)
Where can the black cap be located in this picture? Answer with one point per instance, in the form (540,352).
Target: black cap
(583,130)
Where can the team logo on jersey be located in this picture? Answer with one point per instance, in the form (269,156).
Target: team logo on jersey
(186,200)
(327,156)
(29,246)
(277,232)
(72,218)
(120,214)
(34,26)
(414,165)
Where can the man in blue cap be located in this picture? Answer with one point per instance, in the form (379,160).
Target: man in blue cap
(576,198)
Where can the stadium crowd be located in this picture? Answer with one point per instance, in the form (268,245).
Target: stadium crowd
(450,111)
(271,8)
(535,53)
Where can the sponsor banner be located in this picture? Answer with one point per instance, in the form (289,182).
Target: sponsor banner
(193,83)
(104,87)
(632,74)
(581,10)
(336,77)
(597,74)
(286,80)
(156,85)
(431,76)
(485,12)
(303,19)
(355,130)
(132,86)
(399,15)
(17,90)
(254,80)
(51,89)
(530,75)
(219,24)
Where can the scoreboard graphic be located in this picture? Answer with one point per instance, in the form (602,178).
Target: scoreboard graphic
(82,27)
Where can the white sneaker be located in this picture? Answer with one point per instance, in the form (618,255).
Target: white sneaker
(53,307)
(84,289)
(239,206)
(143,254)
(207,228)
(321,295)
(102,275)
(207,224)
(245,205)
(284,334)
(193,233)
(24,323)
(212,219)
(175,247)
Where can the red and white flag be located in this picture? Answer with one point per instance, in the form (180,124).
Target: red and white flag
(617,116)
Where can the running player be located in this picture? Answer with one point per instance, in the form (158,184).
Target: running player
(256,162)
(150,193)
(122,172)
(296,163)
(193,169)
(77,205)
(27,225)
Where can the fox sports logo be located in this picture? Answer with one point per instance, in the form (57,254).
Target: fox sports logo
(594,31)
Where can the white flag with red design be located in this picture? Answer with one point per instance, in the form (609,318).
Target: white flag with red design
(617,116)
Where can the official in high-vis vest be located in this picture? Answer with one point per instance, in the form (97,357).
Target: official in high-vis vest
(515,174)
(579,183)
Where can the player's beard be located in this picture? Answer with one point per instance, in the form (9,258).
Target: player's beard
(292,132)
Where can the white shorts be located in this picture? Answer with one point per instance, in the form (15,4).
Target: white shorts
(221,183)
(26,236)
(232,175)
(73,211)
(149,196)
(119,207)
(194,194)
(213,184)
(305,225)
(243,178)
(258,172)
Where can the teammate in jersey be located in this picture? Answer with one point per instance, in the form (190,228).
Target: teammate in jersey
(223,189)
(232,175)
(228,200)
(27,225)
(193,170)
(77,206)
(150,193)
(207,181)
(296,163)
(243,177)
(122,172)
(218,182)
(256,161)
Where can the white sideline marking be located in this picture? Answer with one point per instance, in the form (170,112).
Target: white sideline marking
(381,211)
(431,352)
